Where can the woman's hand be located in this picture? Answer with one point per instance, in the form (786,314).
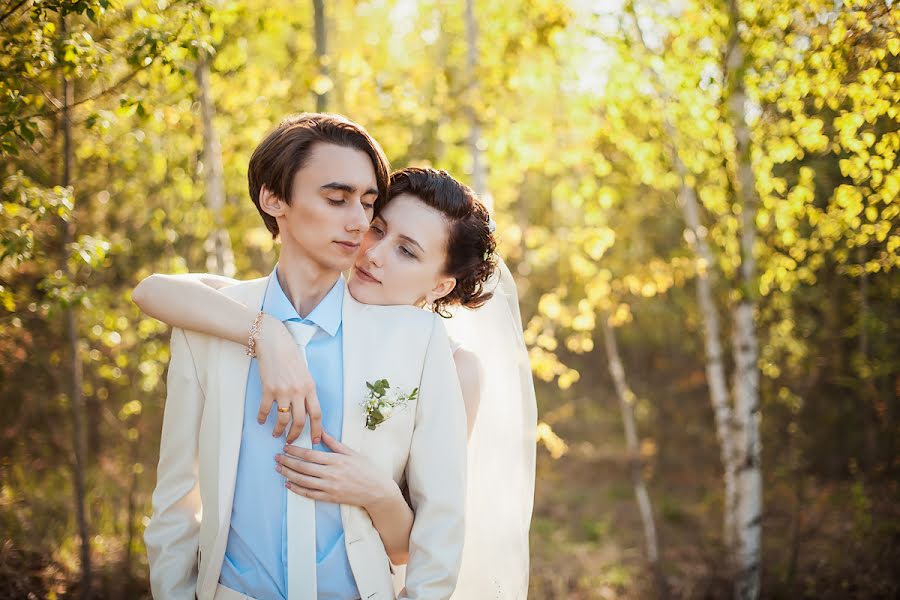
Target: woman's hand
(347,477)
(286,381)
(343,476)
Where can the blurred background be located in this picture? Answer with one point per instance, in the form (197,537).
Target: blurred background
(699,201)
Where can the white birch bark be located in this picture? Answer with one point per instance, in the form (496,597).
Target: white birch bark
(479,170)
(321,50)
(219,254)
(745,343)
(626,405)
(712,336)
(712,330)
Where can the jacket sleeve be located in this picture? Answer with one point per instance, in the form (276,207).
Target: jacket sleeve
(173,535)
(435,474)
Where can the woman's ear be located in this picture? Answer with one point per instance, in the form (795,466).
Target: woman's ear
(443,287)
(270,203)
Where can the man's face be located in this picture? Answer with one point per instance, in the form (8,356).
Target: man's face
(331,206)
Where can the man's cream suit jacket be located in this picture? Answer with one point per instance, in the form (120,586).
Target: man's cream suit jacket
(423,445)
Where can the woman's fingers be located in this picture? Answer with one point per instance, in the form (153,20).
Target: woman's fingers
(301,466)
(301,479)
(313,411)
(284,416)
(317,495)
(265,405)
(299,410)
(315,415)
(313,456)
(334,445)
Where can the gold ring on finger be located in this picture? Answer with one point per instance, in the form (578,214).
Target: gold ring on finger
(284,409)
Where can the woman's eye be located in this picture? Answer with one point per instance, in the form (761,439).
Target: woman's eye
(336,201)
(368,206)
(407,252)
(376,229)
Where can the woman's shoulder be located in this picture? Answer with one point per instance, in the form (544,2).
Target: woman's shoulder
(454,344)
(468,365)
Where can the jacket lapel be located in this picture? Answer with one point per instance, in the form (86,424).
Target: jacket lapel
(357,334)
(234,368)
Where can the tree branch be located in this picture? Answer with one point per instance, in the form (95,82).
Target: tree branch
(12,10)
(117,85)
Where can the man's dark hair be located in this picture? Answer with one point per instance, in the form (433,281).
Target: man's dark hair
(286,149)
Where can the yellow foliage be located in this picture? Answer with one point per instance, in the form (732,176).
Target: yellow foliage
(554,444)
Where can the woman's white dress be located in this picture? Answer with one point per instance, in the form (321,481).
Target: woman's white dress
(501,449)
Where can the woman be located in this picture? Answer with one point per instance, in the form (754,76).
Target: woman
(431,245)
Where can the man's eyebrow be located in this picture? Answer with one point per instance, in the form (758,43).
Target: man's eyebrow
(412,241)
(346,187)
(341,187)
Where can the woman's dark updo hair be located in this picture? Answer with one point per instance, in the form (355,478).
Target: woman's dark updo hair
(470,243)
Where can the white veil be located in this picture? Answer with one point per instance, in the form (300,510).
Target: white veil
(501,464)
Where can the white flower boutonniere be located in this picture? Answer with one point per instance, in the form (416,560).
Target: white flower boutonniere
(383,400)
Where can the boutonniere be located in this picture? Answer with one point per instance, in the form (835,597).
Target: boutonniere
(383,400)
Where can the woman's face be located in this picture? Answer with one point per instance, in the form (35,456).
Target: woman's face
(403,256)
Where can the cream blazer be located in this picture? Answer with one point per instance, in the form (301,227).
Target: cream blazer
(423,445)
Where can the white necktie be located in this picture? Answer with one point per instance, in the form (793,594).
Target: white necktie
(301,512)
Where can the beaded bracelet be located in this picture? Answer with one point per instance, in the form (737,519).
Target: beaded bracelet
(254,331)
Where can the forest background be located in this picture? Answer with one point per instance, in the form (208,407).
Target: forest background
(698,199)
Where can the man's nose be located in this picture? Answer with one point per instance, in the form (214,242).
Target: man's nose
(359,220)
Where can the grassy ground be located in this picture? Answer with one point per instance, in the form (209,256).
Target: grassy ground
(823,539)
(837,539)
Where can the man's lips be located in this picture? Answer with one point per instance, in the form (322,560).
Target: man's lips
(349,246)
(365,275)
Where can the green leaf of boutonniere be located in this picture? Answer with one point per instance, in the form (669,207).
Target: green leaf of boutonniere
(379,387)
(382,401)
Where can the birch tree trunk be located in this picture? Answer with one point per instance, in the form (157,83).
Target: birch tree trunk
(712,336)
(76,397)
(476,149)
(712,330)
(745,344)
(626,405)
(131,507)
(219,254)
(442,60)
(321,53)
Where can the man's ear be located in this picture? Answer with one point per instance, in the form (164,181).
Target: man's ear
(443,287)
(270,204)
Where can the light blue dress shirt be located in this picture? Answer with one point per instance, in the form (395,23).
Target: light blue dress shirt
(256,555)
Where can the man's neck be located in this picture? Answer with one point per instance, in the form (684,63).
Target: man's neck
(303,280)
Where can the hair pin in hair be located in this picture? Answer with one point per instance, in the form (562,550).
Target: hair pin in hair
(492,225)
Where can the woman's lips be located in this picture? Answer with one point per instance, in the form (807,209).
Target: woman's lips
(365,275)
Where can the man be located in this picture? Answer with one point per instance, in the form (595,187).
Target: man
(224,526)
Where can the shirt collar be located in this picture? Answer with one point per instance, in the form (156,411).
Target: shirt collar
(326,315)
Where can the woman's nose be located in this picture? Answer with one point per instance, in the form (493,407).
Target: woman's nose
(374,254)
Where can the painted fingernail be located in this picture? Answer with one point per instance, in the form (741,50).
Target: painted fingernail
(285,448)
(278,468)
(287,484)
(317,440)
